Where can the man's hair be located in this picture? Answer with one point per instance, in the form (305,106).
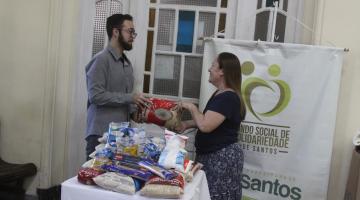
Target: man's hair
(116,21)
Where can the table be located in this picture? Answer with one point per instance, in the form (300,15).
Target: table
(71,189)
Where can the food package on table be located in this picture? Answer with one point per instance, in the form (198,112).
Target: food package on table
(161,112)
(158,170)
(158,187)
(153,147)
(173,155)
(88,163)
(116,182)
(86,175)
(133,171)
(190,173)
(101,158)
(123,139)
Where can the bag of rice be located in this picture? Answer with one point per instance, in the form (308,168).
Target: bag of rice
(158,187)
(116,182)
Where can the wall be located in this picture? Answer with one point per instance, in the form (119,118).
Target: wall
(23,58)
(336,26)
(36,57)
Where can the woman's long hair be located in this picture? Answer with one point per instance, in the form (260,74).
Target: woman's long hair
(231,67)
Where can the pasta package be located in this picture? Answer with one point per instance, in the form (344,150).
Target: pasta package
(161,112)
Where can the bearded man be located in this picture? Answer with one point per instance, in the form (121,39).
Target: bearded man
(110,81)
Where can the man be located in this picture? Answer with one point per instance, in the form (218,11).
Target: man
(110,81)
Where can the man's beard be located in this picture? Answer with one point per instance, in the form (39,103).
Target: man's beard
(124,44)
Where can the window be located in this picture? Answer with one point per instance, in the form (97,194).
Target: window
(265,19)
(174,49)
(104,9)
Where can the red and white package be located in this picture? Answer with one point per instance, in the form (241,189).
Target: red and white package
(86,175)
(161,112)
(158,187)
(189,175)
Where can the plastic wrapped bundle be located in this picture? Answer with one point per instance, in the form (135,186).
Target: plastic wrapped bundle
(161,112)
(157,187)
(116,182)
(86,175)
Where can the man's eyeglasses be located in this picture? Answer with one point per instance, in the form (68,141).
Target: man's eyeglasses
(131,31)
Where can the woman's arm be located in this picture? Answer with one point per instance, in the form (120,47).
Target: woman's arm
(205,122)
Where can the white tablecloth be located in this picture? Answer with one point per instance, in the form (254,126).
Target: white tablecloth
(71,189)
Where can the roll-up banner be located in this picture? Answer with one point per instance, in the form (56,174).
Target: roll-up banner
(291,93)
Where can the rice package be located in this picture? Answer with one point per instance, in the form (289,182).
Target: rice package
(161,112)
(116,182)
(158,187)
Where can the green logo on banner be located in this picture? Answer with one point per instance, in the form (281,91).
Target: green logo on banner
(250,84)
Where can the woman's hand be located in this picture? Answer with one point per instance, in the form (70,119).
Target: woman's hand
(186,105)
(182,127)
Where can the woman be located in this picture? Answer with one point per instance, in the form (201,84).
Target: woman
(216,140)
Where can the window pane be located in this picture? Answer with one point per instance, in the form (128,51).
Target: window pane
(224,3)
(192,76)
(165,34)
(146,85)
(99,27)
(270,3)
(211,3)
(261,26)
(285,7)
(280,28)
(152,1)
(166,76)
(115,7)
(206,26)
(151,17)
(222,22)
(149,46)
(259,3)
(185,31)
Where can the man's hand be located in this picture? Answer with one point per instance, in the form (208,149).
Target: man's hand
(141,100)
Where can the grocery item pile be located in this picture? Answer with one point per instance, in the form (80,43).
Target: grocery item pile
(131,159)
